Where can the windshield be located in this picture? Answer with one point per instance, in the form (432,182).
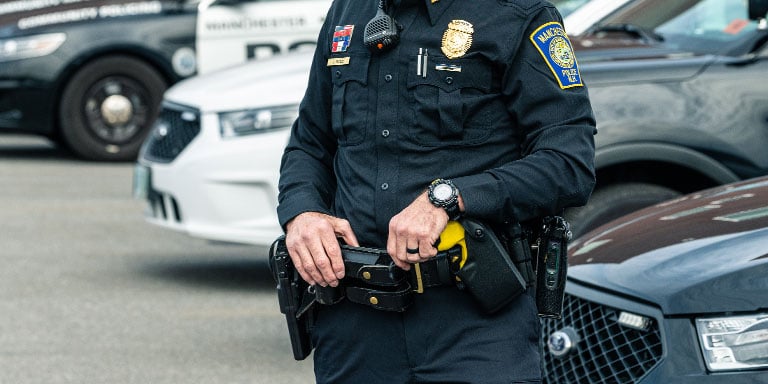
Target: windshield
(566,7)
(580,15)
(705,26)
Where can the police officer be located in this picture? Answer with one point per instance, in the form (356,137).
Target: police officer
(474,108)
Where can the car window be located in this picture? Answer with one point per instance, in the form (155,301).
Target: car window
(705,26)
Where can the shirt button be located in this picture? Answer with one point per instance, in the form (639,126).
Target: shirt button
(384,187)
(449,80)
(385,133)
(338,73)
(388,78)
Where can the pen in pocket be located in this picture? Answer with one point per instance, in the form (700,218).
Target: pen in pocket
(422,60)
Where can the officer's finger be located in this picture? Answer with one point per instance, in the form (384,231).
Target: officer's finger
(401,249)
(412,252)
(342,229)
(332,267)
(428,248)
(401,264)
(302,258)
(320,267)
(393,243)
(397,252)
(392,246)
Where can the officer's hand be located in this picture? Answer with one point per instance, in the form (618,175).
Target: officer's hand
(418,226)
(311,239)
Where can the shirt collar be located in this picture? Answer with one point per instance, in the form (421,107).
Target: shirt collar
(437,8)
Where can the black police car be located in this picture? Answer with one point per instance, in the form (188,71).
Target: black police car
(681,105)
(674,293)
(91,73)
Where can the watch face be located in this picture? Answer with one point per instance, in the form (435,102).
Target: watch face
(443,192)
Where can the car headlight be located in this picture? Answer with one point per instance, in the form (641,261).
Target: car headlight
(253,121)
(737,342)
(30,46)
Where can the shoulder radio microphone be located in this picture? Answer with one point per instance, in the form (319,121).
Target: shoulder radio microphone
(382,32)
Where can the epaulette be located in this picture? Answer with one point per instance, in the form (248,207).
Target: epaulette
(525,7)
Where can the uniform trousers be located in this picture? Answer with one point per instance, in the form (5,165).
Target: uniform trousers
(442,338)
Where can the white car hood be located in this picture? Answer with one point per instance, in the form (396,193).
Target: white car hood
(274,81)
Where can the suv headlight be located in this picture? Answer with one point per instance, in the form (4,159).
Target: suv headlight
(253,121)
(30,46)
(737,342)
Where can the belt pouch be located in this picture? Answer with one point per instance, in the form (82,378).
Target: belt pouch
(488,273)
(328,295)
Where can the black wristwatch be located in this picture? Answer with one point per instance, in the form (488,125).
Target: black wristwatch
(443,194)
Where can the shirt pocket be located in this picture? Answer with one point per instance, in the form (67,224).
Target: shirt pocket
(453,105)
(349,110)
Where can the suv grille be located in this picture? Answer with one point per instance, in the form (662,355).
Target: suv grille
(174,129)
(607,352)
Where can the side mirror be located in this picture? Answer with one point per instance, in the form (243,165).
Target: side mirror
(758,9)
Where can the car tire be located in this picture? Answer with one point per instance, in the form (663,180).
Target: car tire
(614,201)
(108,107)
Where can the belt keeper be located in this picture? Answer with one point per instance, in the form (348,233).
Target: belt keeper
(328,295)
(377,274)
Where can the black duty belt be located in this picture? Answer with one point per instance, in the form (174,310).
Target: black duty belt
(493,265)
(373,279)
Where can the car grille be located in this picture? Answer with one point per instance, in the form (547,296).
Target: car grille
(175,128)
(607,351)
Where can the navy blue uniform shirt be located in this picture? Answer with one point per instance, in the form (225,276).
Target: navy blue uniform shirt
(499,108)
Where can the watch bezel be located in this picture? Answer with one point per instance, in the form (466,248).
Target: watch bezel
(443,203)
(443,192)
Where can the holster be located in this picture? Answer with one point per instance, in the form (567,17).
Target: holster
(488,272)
(295,298)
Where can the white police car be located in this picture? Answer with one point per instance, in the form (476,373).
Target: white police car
(210,166)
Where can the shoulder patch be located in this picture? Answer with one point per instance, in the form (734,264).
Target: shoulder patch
(556,49)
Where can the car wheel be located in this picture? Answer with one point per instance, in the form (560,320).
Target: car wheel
(108,107)
(614,201)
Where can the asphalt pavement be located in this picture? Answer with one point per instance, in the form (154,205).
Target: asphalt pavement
(91,293)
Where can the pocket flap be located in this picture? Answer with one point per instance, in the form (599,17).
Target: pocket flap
(450,75)
(356,70)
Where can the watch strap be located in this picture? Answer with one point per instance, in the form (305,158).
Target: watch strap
(453,211)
